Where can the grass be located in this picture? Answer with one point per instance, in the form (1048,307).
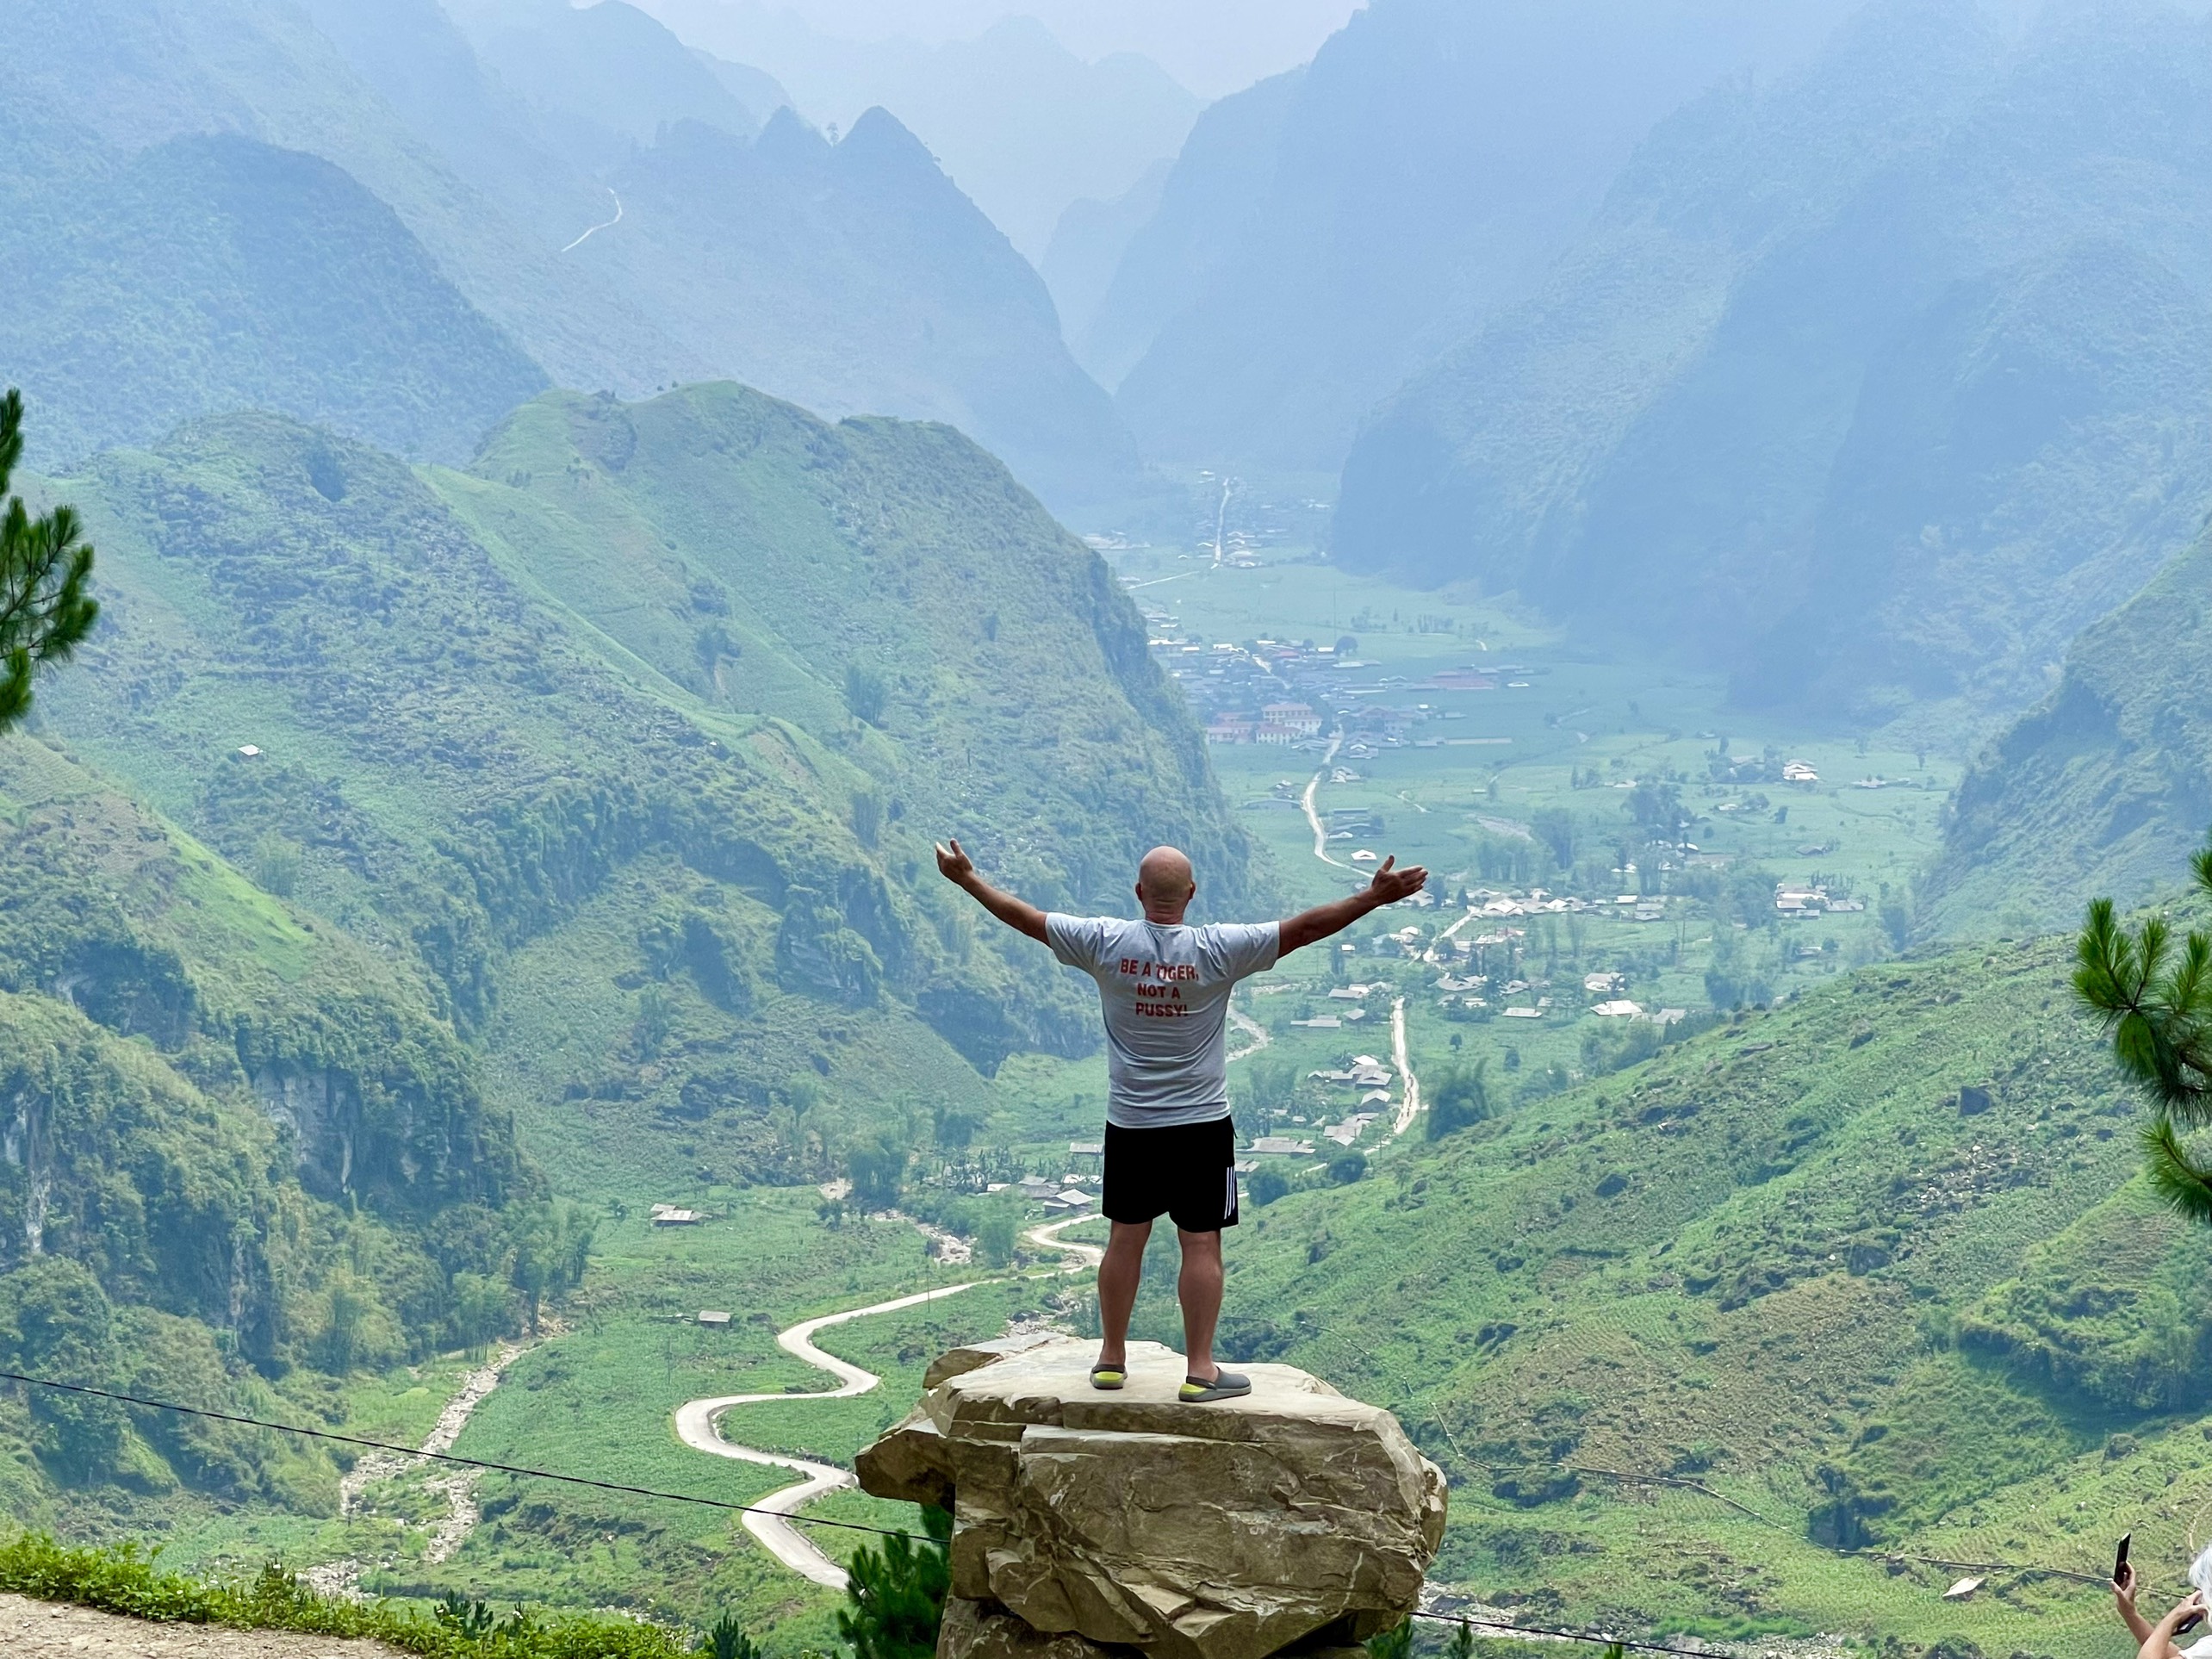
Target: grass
(123,1578)
(598,1399)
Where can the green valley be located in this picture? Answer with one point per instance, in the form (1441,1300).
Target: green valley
(499,1103)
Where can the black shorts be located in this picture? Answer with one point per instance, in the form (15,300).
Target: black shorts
(1187,1170)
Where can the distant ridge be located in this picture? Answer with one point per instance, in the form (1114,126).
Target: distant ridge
(210,274)
(2105,788)
(1869,388)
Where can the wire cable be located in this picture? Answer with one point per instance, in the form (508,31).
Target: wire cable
(1551,1635)
(449,1458)
(726,1505)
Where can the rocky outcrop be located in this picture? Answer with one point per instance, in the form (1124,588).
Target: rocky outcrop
(1085,1520)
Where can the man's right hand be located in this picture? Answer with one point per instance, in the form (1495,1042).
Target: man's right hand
(1391,884)
(955,866)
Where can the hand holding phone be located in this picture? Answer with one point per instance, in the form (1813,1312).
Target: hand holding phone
(2188,1613)
(2123,1575)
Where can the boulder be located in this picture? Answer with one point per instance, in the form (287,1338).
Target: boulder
(1130,1520)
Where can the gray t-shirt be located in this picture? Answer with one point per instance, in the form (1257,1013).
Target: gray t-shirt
(1165,991)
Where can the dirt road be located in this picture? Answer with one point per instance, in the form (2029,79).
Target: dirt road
(45,1630)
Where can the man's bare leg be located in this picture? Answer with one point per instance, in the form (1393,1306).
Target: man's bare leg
(1119,1271)
(1199,1289)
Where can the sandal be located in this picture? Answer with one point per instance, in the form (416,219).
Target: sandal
(1108,1377)
(1225,1385)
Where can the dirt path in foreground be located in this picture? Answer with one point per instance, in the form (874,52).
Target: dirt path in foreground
(45,1630)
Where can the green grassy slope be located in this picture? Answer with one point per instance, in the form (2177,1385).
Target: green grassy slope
(2103,788)
(585,717)
(1871,1266)
(239,1154)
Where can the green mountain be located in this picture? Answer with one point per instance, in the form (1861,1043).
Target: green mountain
(134,73)
(207,274)
(855,277)
(635,738)
(1166,265)
(1022,125)
(1432,161)
(1088,243)
(1868,1273)
(606,77)
(239,1151)
(1871,386)
(2102,788)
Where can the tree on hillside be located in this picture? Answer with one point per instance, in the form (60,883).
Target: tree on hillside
(1555,826)
(877,1168)
(45,568)
(1458,1097)
(1658,811)
(2154,996)
(897,1593)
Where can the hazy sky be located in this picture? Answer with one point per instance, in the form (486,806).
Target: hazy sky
(1212,46)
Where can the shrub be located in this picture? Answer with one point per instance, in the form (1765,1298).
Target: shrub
(1459,1097)
(897,1593)
(124,1579)
(1267,1184)
(877,1168)
(996,1234)
(866,693)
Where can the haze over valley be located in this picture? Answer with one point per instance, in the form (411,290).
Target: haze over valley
(585,499)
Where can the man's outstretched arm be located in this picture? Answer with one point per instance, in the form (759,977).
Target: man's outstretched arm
(1018,914)
(1390,884)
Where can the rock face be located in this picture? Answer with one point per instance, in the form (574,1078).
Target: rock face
(1085,1521)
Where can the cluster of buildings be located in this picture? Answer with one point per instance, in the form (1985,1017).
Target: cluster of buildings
(1621,1008)
(1799,902)
(1294,693)
(1283,724)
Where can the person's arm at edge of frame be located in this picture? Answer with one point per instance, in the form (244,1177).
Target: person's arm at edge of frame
(2159,1645)
(1390,884)
(2123,1599)
(1018,914)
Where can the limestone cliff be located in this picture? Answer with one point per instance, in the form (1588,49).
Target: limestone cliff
(1085,1521)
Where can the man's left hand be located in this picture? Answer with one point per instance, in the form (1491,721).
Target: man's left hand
(1391,884)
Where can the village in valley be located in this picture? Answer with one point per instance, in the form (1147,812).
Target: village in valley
(1614,865)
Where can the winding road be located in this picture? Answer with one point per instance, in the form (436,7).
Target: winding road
(608,224)
(1409,1103)
(1255,1034)
(1306,801)
(698,1421)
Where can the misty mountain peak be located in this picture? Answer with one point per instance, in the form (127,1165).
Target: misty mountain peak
(789,140)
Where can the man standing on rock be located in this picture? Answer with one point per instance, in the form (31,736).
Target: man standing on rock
(1163,988)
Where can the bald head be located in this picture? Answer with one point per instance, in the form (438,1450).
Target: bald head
(1165,885)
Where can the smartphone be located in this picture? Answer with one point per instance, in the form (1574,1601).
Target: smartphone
(2120,1560)
(2188,1624)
